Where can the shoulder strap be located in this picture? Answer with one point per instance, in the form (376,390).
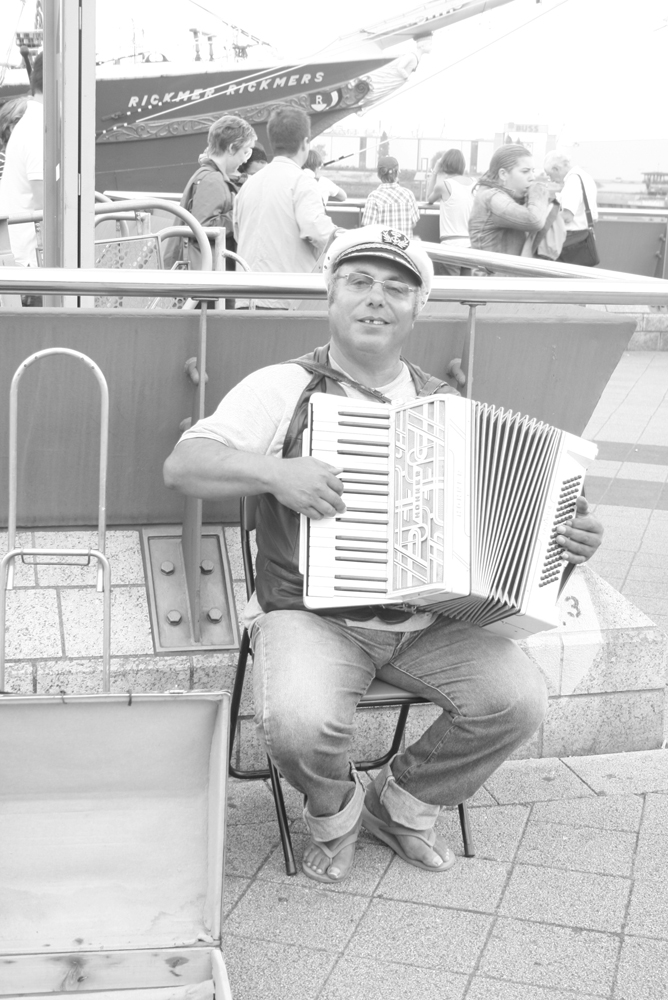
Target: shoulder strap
(590,221)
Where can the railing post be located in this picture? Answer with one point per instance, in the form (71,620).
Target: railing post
(192,518)
(7,260)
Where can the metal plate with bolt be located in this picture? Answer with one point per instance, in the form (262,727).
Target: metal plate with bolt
(171,616)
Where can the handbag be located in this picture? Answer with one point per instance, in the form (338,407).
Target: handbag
(580,246)
(548,242)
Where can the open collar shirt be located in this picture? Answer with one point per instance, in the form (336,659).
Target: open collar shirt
(393,206)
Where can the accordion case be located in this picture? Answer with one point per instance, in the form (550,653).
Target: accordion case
(112,817)
(451,506)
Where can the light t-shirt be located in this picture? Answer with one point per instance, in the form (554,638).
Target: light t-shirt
(24,162)
(255,415)
(571,198)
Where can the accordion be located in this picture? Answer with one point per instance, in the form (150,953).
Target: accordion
(452,506)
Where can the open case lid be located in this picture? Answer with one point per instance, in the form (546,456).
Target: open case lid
(112,815)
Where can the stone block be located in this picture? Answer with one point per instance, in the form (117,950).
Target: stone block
(32,626)
(374,729)
(609,812)
(233,546)
(367,979)
(497,831)
(559,957)
(24,573)
(623,773)
(555,896)
(82,621)
(70,676)
(285,970)
(583,849)
(474,884)
(535,781)
(122,548)
(216,672)
(150,673)
(604,723)
(372,859)
(19,678)
(453,939)
(643,970)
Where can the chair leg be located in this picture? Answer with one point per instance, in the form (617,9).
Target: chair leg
(374,765)
(467,836)
(237,689)
(282,817)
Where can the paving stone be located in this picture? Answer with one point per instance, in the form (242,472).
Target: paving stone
(643,970)
(374,730)
(652,854)
(472,884)
(623,773)
(609,852)
(32,625)
(233,890)
(655,816)
(82,621)
(626,659)
(249,802)
(248,847)
(535,780)
(371,861)
(482,988)
(559,957)
(216,672)
(618,812)
(80,676)
(122,548)
(648,912)
(19,678)
(24,573)
(362,979)
(575,899)
(496,831)
(604,723)
(233,546)
(150,673)
(263,970)
(481,798)
(449,939)
(294,914)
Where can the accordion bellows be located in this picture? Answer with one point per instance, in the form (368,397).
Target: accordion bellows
(451,506)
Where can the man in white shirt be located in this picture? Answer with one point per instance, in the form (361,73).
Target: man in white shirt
(576,185)
(311,669)
(22,181)
(280,222)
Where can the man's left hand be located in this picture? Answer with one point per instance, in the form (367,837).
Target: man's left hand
(454,374)
(581,536)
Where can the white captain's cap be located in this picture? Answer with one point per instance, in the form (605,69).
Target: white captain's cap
(378,241)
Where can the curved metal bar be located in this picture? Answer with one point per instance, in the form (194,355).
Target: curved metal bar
(141,204)
(13,445)
(231,284)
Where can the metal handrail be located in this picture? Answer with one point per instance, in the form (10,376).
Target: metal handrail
(236,284)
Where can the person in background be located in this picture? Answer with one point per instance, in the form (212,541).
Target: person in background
(329,191)
(255,162)
(279,218)
(449,185)
(209,194)
(575,182)
(391,204)
(508,203)
(22,181)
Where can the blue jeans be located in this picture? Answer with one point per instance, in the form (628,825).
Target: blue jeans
(310,671)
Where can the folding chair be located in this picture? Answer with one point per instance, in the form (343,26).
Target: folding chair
(379,695)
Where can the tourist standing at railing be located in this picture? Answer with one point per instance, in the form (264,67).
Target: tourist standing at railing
(329,191)
(577,186)
(508,202)
(253,165)
(22,181)
(279,218)
(209,194)
(449,185)
(391,204)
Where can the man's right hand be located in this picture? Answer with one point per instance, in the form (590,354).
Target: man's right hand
(309,486)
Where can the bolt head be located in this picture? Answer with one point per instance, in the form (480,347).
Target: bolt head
(206,566)
(167,568)
(215,615)
(174,617)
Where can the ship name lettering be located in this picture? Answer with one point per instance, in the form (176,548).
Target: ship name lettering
(264,83)
(155,99)
(167,98)
(318,77)
(133,102)
(306,77)
(280,81)
(183,95)
(144,100)
(251,85)
(293,80)
(195,94)
(209,92)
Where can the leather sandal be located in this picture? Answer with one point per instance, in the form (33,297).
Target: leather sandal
(389,835)
(331,847)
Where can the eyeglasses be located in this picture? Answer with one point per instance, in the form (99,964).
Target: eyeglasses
(359,282)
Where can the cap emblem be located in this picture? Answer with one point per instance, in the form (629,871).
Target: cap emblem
(395,238)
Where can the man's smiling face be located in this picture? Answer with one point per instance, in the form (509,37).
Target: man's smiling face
(371,321)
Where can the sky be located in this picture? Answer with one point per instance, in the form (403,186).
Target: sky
(589,69)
